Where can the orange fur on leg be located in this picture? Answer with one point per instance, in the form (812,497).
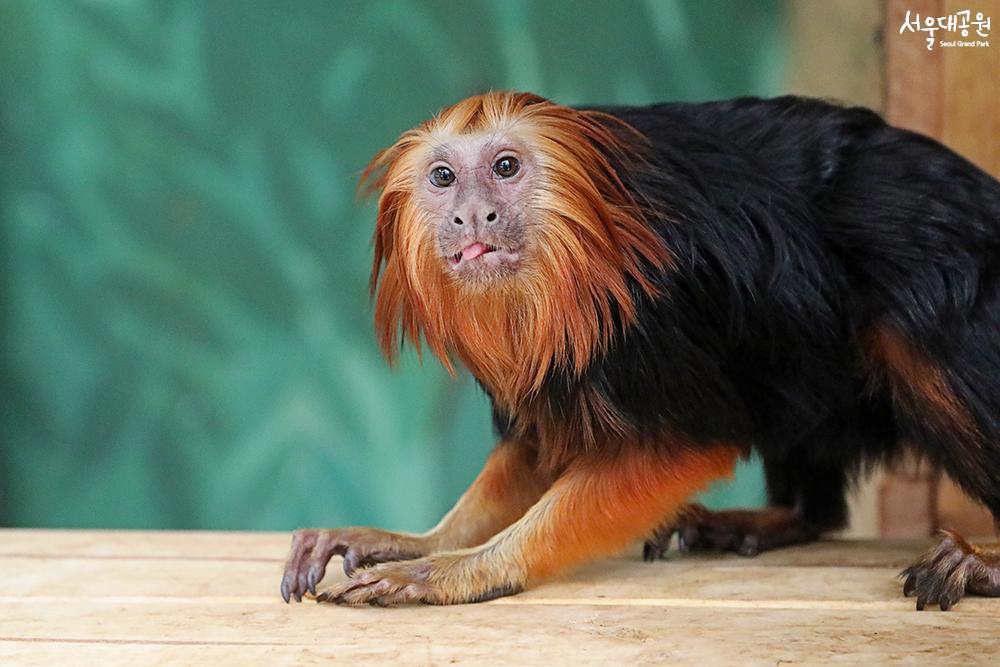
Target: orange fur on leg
(507,486)
(600,506)
(595,509)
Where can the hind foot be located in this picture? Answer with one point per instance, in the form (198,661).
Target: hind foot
(950,569)
(746,532)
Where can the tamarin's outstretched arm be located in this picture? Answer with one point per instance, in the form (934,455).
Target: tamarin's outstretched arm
(507,486)
(596,508)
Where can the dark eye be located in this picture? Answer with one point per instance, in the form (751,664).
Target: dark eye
(442,177)
(506,167)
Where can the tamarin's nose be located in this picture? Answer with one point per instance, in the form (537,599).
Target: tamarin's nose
(475,217)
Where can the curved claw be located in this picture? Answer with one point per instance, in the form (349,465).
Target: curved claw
(316,572)
(352,560)
(750,546)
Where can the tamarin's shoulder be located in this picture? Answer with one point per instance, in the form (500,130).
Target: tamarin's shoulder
(753,123)
(743,112)
(799,141)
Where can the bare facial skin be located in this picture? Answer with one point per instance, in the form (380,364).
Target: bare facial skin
(475,190)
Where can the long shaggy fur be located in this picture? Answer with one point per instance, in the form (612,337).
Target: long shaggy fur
(554,314)
(784,274)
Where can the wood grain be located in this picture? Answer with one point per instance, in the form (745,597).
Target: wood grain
(118,597)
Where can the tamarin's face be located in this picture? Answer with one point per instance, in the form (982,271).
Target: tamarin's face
(476,190)
(506,234)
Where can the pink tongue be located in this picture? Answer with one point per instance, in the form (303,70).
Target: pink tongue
(474,250)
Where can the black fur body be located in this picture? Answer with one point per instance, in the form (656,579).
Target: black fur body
(797,228)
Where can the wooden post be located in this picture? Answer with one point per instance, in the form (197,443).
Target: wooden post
(953,95)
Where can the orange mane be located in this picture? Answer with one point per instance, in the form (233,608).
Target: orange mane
(591,240)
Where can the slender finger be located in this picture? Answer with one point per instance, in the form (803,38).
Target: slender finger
(302,543)
(326,544)
(910,584)
(352,561)
(937,578)
(954,585)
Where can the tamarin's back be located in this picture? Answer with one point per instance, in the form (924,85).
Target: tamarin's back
(891,204)
(804,231)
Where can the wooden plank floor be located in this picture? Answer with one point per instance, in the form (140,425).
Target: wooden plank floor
(91,597)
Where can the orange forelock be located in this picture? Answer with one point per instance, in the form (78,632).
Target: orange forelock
(590,240)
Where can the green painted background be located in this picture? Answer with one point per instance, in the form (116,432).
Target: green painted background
(186,336)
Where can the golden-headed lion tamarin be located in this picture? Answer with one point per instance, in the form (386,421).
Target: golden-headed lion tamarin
(649,293)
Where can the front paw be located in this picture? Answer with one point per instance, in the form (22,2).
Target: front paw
(439,579)
(312,549)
